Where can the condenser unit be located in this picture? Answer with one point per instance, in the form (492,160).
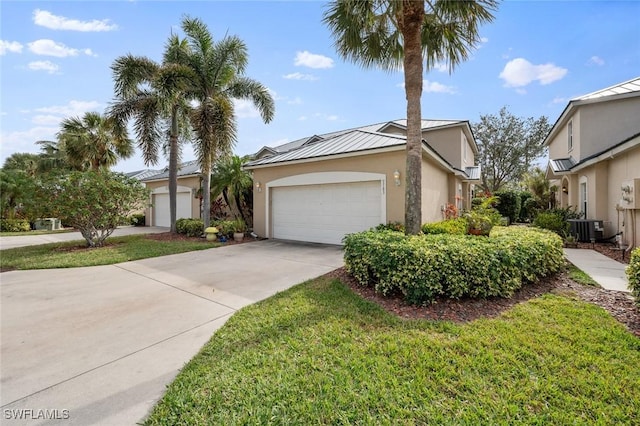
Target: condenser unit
(586,230)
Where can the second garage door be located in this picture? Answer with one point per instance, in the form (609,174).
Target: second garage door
(325,213)
(161,208)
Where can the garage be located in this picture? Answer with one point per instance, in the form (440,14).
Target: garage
(161,216)
(325,213)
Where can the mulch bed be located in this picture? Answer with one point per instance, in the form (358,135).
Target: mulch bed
(620,305)
(608,250)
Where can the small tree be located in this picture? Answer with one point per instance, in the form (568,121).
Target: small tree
(95,203)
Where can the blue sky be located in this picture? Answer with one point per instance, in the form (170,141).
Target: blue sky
(55,61)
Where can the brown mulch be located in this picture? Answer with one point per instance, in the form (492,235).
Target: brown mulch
(620,305)
(608,250)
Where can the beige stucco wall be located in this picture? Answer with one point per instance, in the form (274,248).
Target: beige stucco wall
(559,146)
(190,182)
(447,143)
(434,183)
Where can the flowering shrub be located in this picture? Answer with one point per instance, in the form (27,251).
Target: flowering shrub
(633,273)
(426,267)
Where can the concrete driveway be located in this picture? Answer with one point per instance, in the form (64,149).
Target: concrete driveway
(98,345)
(34,240)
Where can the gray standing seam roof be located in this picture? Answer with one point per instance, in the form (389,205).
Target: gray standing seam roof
(562,164)
(630,86)
(185,169)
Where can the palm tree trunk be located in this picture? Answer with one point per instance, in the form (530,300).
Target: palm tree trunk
(173,170)
(410,26)
(206,193)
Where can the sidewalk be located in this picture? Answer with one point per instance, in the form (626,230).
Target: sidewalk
(605,271)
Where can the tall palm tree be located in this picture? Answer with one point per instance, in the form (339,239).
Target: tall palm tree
(410,34)
(153,96)
(234,183)
(218,68)
(94,141)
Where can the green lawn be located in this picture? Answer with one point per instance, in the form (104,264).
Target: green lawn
(73,254)
(38,232)
(318,354)
(579,276)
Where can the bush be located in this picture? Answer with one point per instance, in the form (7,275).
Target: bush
(225,227)
(190,227)
(509,205)
(450,226)
(137,219)
(527,208)
(553,222)
(633,273)
(391,226)
(424,268)
(14,225)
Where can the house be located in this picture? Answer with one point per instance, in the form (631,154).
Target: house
(142,174)
(594,158)
(188,201)
(322,187)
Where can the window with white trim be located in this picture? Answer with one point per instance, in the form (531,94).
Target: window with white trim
(570,135)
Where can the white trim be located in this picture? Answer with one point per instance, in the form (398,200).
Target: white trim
(165,189)
(321,178)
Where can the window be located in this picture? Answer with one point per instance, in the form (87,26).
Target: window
(583,196)
(570,135)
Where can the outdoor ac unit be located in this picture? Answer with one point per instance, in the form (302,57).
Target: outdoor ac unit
(586,230)
(630,194)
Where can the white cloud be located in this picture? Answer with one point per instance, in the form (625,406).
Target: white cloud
(300,76)
(295,101)
(434,87)
(73,108)
(558,100)
(484,40)
(328,117)
(311,60)
(596,60)
(441,66)
(48,20)
(10,46)
(302,118)
(245,109)
(46,120)
(48,47)
(519,73)
(47,66)
(24,141)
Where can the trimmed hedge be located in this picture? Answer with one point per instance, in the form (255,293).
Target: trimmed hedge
(633,273)
(426,267)
(553,222)
(456,226)
(14,225)
(190,227)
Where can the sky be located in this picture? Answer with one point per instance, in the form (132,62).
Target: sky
(55,59)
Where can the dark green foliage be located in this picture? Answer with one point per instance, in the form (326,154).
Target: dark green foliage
(137,219)
(189,227)
(457,226)
(552,221)
(14,225)
(567,213)
(391,226)
(225,227)
(509,205)
(424,268)
(527,207)
(633,273)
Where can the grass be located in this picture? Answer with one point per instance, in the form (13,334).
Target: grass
(37,232)
(74,254)
(579,276)
(319,354)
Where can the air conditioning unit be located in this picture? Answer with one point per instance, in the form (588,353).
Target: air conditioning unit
(586,230)
(630,194)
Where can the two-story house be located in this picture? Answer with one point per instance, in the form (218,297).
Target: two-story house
(594,158)
(321,187)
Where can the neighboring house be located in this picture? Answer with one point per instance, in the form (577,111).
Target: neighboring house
(323,187)
(594,158)
(188,201)
(142,174)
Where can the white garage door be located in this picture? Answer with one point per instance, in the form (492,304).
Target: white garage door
(161,208)
(325,213)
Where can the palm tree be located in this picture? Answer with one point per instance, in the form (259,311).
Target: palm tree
(410,34)
(152,95)
(94,141)
(234,183)
(218,69)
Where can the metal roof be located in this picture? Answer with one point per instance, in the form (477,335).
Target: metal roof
(562,164)
(352,141)
(185,169)
(142,174)
(630,86)
(473,173)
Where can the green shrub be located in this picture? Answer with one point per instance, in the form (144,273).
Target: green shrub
(14,225)
(424,268)
(527,211)
(391,226)
(633,273)
(509,205)
(190,227)
(458,226)
(137,219)
(552,221)
(225,227)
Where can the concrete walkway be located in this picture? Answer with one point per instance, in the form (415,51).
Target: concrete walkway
(99,344)
(609,273)
(34,240)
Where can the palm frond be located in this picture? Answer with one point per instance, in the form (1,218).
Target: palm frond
(247,88)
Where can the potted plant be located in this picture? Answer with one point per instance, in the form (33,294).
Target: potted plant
(478,222)
(239,228)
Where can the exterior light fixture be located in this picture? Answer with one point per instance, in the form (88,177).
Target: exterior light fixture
(258,187)
(565,189)
(396,177)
